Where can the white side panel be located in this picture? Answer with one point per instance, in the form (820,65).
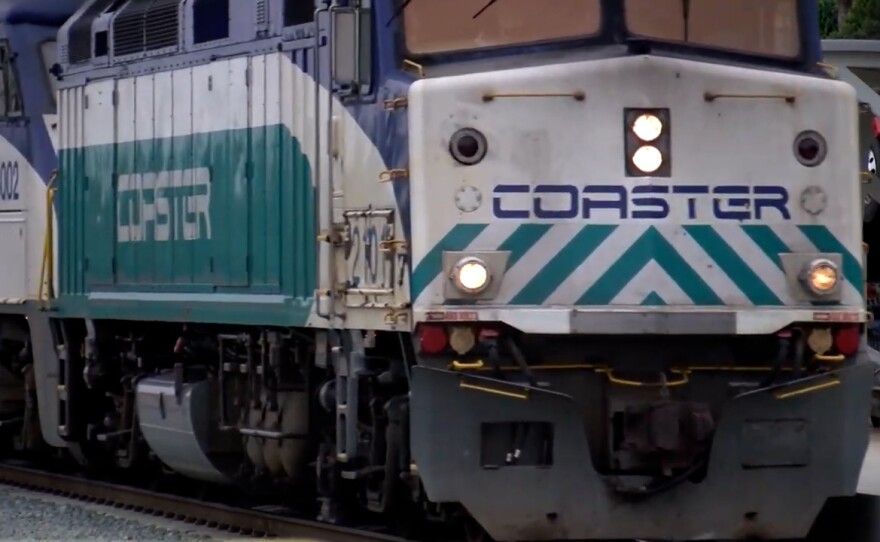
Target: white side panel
(100,114)
(144,128)
(182,102)
(163,104)
(12,246)
(258,91)
(125,110)
(209,97)
(237,93)
(273,90)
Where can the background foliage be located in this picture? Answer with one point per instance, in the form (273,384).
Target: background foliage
(856,19)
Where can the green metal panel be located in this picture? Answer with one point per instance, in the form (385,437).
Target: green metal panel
(229,213)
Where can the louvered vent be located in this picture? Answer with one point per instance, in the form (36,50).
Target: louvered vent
(262,12)
(80,36)
(128,28)
(163,24)
(146,25)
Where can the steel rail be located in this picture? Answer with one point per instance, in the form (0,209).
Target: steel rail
(211,515)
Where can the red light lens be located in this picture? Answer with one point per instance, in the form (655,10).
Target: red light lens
(432,339)
(847,339)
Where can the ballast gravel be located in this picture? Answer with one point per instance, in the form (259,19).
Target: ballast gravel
(26,515)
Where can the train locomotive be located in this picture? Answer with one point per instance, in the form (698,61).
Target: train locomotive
(588,270)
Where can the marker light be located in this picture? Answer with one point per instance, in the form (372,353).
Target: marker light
(432,338)
(471,275)
(648,127)
(648,159)
(847,339)
(822,276)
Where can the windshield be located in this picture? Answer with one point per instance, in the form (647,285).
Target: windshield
(434,26)
(765,27)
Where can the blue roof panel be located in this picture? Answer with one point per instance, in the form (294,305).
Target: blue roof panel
(40,12)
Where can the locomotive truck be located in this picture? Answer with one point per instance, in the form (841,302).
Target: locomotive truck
(581,270)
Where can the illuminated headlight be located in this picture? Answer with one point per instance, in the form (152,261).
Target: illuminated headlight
(821,276)
(648,159)
(648,142)
(648,127)
(471,275)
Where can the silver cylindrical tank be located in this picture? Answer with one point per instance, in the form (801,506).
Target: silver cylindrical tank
(183,428)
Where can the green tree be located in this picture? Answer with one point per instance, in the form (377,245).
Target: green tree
(860,21)
(843,7)
(828,22)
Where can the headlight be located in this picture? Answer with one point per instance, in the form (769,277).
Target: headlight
(471,275)
(648,127)
(647,141)
(821,276)
(648,159)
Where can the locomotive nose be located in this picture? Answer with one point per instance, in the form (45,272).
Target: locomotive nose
(554,176)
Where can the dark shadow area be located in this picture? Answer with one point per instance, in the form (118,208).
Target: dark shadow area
(848,519)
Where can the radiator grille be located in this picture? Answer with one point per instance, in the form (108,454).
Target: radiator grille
(80,36)
(146,25)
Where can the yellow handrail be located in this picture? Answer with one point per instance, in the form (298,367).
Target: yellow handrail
(47,270)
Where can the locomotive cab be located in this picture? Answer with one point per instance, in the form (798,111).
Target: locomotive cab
(27,154)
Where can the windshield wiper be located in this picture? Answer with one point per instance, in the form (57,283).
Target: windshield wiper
(484,8)
(408,2)
(399,11)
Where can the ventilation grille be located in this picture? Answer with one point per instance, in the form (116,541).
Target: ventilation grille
(262,12)
(80,36)
(146,25)
(163,24)
(128,28)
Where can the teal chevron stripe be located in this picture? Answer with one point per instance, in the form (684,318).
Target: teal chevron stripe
(768,241)
(653,300)
(650,246)
(825,241)
(523,239)
(458,238)
(732,265)
(545,282)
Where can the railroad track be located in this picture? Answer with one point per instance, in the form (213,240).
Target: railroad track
(217,516)
(258,523)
